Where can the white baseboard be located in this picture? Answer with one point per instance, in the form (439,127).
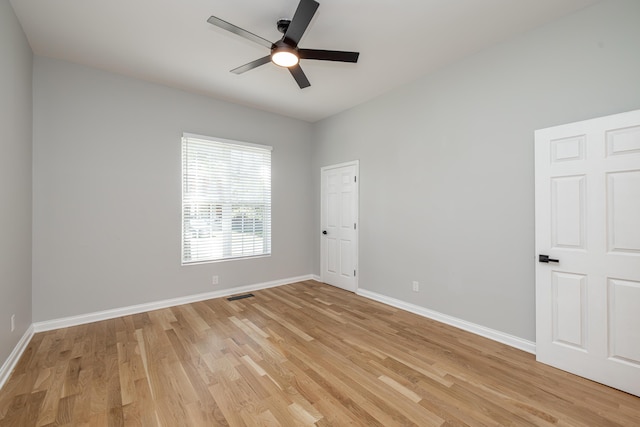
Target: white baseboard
(81,319)
(10,363)
(513,341)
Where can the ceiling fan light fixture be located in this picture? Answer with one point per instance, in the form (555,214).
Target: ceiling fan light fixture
(285,52)
(284,57)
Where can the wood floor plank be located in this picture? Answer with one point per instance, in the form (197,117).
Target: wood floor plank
(305,354)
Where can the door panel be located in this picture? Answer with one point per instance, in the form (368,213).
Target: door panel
(332,256)
(345,261)
(623,212)
(623,141)
(570,309)
(339,217)
(567,149)
(624,319)
(588,219)
(568,212)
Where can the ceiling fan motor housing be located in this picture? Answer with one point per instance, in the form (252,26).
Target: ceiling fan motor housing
(283,25)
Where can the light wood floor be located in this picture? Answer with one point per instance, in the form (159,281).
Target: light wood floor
(301,354)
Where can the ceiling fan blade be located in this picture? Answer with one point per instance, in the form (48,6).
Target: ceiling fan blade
(329,55)
(301,19)
(239,31)
(300,77)
(251,65)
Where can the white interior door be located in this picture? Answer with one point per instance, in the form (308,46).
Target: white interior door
(588,224)
(339,223)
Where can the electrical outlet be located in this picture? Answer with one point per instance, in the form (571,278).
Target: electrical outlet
(13,322)
(214,280)
(416,286)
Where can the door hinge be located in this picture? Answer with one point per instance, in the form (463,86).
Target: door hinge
(354,225)
(355,179)
(354,273)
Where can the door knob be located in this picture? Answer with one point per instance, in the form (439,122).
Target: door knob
(324,231)
(545,258)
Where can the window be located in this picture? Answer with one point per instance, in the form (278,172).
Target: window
(226,199)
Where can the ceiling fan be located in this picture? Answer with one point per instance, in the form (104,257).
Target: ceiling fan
(285,52)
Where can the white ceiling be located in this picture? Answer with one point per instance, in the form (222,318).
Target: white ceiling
(170,42)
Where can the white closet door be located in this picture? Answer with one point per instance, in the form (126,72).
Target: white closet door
(339,219)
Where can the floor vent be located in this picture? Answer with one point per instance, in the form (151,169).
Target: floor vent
(239,297)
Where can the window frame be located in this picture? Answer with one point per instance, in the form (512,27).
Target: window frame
(267,207)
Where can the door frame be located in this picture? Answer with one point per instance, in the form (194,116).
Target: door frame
(356,164)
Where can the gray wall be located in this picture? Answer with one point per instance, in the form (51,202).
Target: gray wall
(446,163)
(15,180)
(107,190)
(446,176)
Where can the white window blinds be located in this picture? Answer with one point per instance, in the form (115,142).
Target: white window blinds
(226,199)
